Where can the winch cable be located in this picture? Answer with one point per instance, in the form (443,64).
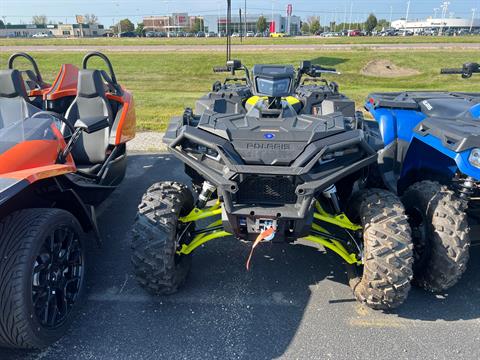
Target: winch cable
(262,236)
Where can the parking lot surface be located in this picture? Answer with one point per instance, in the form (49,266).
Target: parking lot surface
(294,303)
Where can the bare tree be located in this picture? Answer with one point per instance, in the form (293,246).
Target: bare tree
(39,20)
(91,19)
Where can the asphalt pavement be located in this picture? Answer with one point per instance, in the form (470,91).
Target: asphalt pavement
(293,304)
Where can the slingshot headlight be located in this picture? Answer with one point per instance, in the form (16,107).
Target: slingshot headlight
(474,158)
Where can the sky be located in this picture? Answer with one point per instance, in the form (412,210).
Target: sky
(109,11)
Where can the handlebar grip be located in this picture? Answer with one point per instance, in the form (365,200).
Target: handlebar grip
(327,69)
(219,69)
(451,71)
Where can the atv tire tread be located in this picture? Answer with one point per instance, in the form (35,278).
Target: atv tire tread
(154,238)
(449,234)
(388,256)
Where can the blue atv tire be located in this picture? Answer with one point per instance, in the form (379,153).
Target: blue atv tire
(440,233)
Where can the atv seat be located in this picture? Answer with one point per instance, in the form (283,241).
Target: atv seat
(14,105)
(446,107)
(91,101)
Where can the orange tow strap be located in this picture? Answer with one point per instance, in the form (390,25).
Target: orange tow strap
(263,235)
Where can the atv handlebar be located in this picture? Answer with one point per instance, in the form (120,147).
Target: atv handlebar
(221,69)
(320,70)
(466,71)
(451,71)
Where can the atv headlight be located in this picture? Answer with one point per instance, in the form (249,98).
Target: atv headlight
(474,158)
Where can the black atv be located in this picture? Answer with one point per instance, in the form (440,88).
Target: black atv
(276,158)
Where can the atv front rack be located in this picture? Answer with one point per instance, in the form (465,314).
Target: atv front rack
(319,234)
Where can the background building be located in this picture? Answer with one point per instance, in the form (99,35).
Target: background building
(57,30)
(280,22)
(174,22)
(217,24)
(431,23)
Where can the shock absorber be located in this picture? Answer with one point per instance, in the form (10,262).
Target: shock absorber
(331,194)
(207,190)
(466,188)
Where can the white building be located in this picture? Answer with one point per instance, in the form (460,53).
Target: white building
(57,30)
(218,24)
(430,23)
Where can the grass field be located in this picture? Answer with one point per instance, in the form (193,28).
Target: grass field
(247,41)
(164,83)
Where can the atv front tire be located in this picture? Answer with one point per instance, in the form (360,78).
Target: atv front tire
(387,253)
(440,234)
(42,273)
(156,231)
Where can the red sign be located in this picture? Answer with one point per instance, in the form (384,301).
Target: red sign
(289,10)
(272,27)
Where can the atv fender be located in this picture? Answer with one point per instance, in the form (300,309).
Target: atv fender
(428,159)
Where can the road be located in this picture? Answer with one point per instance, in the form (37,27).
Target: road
(294,303)
(238,48)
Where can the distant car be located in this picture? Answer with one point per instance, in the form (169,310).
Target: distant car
(405,33)
(354,33)
(222,34)
(236,34)
(250,34)
(189,34)
(277,35)
(130,34)
(201,34)
(259,34)
(211,34)
(330,34)
(151,34)
(42,35)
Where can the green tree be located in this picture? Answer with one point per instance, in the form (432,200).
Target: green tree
(371,23)
(140,30)
(383,24)
(305,28)
(198,25)
(314,24)
(39,20)
(90,19)
(262,24)
(125,25)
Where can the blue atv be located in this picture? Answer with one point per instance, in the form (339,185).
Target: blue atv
(431,157)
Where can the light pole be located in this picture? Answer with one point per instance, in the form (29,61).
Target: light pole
(408,13)
(435,12)
(350,21)
(391,15)
(444,7)
(271,23)
(471,24)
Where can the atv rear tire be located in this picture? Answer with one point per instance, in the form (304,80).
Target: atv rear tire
(440,235)
(158,268)
(42,272)
(387,253)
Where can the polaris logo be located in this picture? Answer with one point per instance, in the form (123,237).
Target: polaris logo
(427,105)
(268,146)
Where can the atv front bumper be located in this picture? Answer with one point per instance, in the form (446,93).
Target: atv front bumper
(263,190)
